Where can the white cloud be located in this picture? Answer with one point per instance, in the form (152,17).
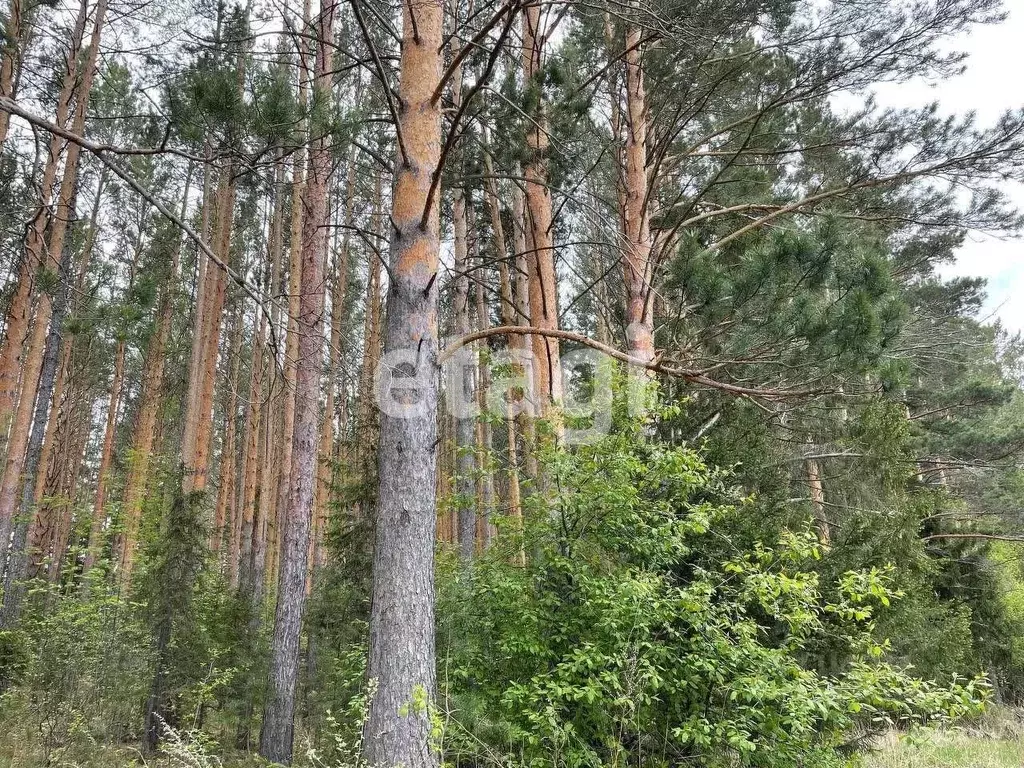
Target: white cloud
(990,86)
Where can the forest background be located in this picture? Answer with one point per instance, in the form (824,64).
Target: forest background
(519,383)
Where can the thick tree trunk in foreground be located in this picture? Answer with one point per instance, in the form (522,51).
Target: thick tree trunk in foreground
(402,651)
(277,733)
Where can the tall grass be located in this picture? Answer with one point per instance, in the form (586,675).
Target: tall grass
(996,742)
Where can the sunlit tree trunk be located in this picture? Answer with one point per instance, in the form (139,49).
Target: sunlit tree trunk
(196,455)
(203,291)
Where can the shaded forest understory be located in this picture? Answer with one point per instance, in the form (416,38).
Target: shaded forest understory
(489,383)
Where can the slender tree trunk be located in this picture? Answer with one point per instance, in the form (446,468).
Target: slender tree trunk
(402,650)
(145,420)
(17,568)
(254,462)
(817,493)
(196,457)
(226,527)
(99,514)
(59,468)
(66,348)
(277,734)
(486,530)
(527,427)
(367,426)
(327,435)
(16,34)
(78,435)
(372,319)
(44,524)
(190,428)
(290,365)
(465,377)
(240,558)
(637,266)
(287,424)
(509,316)
(15,347)
(540,229)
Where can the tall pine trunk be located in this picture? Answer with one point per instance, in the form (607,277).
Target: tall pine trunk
(226,533)
(145,420)
(16,32)
(402,649)
(286,423)
(465,376)
(99,513)
(17,567)
(637,265)
(18,343)
(509,317)
(277,733)
(547,367)
(486,530)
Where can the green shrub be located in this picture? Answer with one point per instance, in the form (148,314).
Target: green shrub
(641,634)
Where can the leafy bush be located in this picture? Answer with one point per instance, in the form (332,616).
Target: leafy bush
(84,671)
(640,633)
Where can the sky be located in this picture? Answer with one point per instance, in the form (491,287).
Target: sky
(993,83)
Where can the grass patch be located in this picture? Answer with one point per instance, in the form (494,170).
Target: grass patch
(1001,747)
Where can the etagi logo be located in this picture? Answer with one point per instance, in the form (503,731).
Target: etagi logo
(403,390)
